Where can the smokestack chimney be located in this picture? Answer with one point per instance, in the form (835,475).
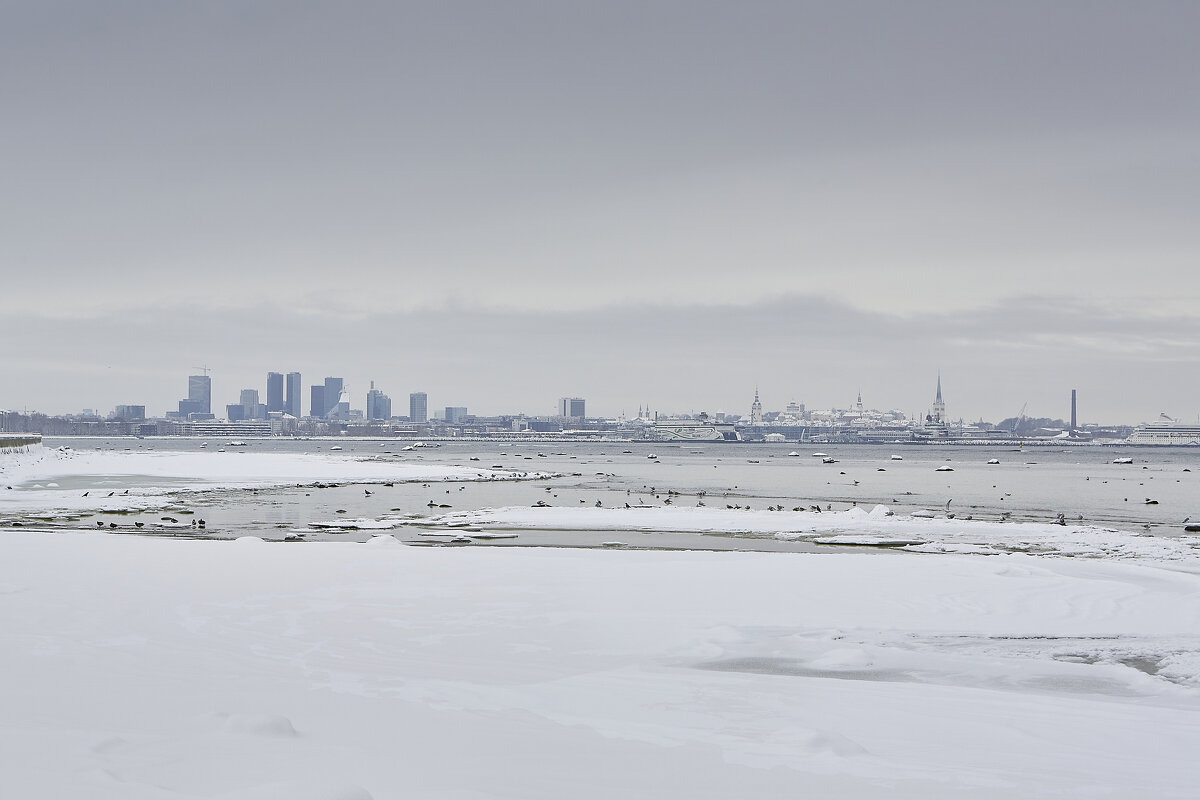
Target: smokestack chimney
(1074,420)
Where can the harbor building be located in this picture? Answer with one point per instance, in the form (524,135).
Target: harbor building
(571,407)
(130,413)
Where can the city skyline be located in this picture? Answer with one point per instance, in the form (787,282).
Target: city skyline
(661,203)
(821,356)
(377,407)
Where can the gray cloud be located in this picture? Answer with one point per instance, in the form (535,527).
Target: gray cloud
(512,154)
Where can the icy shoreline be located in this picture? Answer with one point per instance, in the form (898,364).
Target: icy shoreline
(167,474)
(878,527)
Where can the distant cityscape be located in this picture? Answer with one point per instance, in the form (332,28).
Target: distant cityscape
(331,412)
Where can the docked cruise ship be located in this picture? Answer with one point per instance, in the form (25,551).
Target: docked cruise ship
(1165,430)
(693,431)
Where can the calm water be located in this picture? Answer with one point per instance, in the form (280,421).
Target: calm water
(1035,483)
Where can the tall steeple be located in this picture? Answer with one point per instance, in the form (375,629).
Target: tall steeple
(756,417)
(939,407)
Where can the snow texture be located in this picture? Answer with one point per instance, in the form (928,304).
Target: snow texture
(139,667)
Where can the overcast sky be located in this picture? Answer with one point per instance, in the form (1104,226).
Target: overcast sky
(660,203)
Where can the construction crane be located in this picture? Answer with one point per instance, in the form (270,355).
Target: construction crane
(205,370)
(1019,418)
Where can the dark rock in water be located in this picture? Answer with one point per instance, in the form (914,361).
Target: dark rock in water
(1192,528)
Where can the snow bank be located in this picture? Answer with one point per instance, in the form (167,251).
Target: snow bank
(148,668)
(855,526)
(154,475)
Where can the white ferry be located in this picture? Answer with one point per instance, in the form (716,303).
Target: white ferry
(1165,430)
(693,431)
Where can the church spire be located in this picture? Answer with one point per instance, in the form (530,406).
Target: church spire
(939,391)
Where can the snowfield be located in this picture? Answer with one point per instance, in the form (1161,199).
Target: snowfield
(137,667)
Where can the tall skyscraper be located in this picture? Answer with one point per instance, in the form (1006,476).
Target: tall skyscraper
(418,407)
(198,404)
(316,401)
(291,404)
(200,392)
(570,407)
(274,391)
(333,393)
(379,405)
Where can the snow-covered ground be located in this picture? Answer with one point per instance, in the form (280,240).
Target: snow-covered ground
(43,475)
(136,667)
(854,526)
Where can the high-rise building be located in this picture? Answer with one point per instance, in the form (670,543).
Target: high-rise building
(340,410)
(316,401)
(274,391)
(418,407)
(455,414)
(570,407)
(198,404)
(291,403)
(379,405)
(333,393)
(200,392)
(249,403)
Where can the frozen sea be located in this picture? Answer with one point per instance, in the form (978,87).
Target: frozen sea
(254,490)
(483,620)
